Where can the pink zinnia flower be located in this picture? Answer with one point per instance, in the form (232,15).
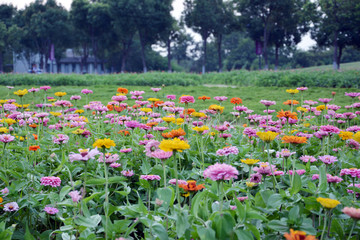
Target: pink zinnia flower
(11,207)
(267,103)
(180,182)
(86,91)
(6,138)
(62,103)
(115,165)
(60,139)
(220,172)
(327,159)
(109,158)
(226,151)
(51,210)
(126,150)
(352,212)
(51,181)
(45,88)
(160,154)
(221,98)
(285,153)
(75,97)
(84,155)
(306,158)
(75,196)
(187,99)
(150,177)
(171,97)
(5,191)
(156,89)
(242,199)
(302,88)
(325,100)
(34,90)
(300,172)
(127,173)
(352,94)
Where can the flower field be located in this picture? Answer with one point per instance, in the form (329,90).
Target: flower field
(142,164)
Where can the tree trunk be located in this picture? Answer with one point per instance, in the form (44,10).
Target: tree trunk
(1,62)
(219,42)
(125,54)
(143,53)
(276,57)
(266,65)
(84,59)
(169,55)
(41,61)
(335,57)
(204,56)
(339,57)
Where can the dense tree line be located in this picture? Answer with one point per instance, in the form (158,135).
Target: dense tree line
(121,34)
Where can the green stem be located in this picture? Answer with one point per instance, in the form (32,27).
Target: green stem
(164,169)
(352,229)
(177,194)
(324,228)
(221,195)
(106,205)
(270,164)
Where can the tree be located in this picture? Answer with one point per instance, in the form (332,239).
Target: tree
(290,24)
(336,25)
(200,16)
(224,24)
(10,34)
(259,17)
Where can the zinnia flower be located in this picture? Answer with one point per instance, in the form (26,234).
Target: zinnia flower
(352,212)
(75,196)
(236,100)
(104,143)
(51,210)
(150,177)
(173,145)
(298,235)
(34,148)
(221,172)
(328,202)
(191,186)
(294,139)
(327,159)
(249,161)
(51,181)
(11,207)
(267,136)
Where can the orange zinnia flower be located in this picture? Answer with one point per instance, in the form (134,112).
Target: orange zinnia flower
(136,106)
(119,109)
(298,235)
(110,107)
(151,124)
(34,148)
(122,90)
(35,136)
(33,125)
(287,114)
(174,133)
(288,102)
(191,186)
(203,98)
(124,132)
(167,135)
(158,102)
(189,111)
(294,139)
(236,100)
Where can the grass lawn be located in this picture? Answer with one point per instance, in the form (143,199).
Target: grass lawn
(250,95)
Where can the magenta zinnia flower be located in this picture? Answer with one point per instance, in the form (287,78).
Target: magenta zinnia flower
(267,103)
(75,196)
(60,139)
(86,91)
(220,172)
(160,154)
(51,181)
(127,173)
(84,155)
(187,99)
(6,138)
(51,210)
(150,177)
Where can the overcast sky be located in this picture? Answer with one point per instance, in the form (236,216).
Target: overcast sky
(178,8)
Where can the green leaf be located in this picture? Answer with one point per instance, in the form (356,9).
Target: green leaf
(323,179)
(241,211)
(28,235)
(338,228)
(223,225)
(182,223)
(206,233)
(254,230)
(159,231)
(243,235)
(296,184)
(278,226)
(65,190)
(294,214)
(167,195)
(90,222)
(274,201)
(102,181)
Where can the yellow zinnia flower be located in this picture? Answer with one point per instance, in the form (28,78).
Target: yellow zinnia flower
(104,143)
(168,119)
(198,114)
(60,94)
(21,93)
(153,99)
(146,110)
(201,129)
(3,130)
(56,114)
(9,121)
(301,109)
(173,145)
(356,137)
(346,135)
(216,108)
(328,202)
(250,184)
(2,101)
(78,131)
(249,161)
(320,108)
(79,111)
(179,121)
(292,91)
(267,136)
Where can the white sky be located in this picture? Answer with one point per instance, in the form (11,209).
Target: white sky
(178,8)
